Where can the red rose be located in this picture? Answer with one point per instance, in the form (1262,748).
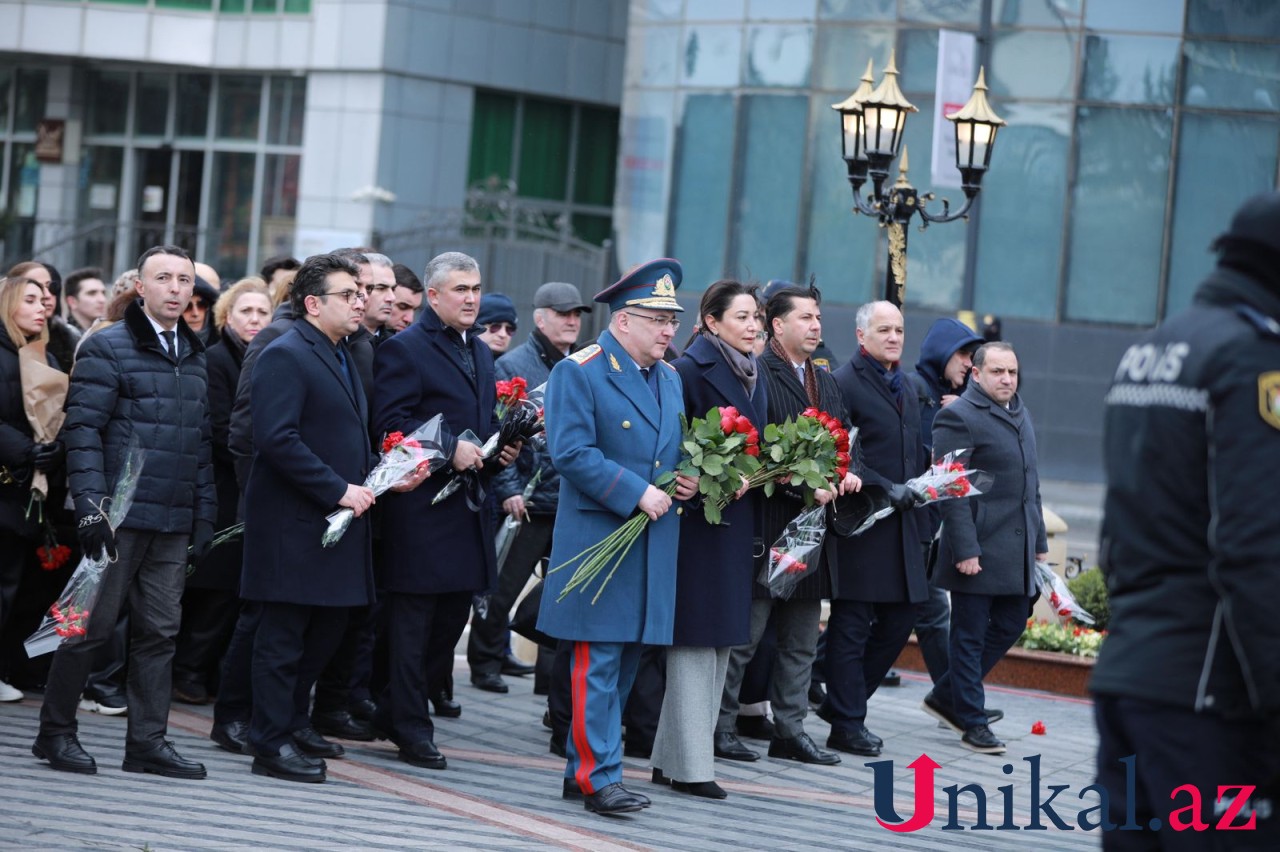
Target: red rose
(810,412)
(728,411)
(742,425)
(752,450)
(1038,729)
(726,425)
(753,438)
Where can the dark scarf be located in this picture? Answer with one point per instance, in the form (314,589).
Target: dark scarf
(743,366)
(810,378)
(891,377)
(550,354)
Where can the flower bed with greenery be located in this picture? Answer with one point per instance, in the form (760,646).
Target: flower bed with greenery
(1090,591)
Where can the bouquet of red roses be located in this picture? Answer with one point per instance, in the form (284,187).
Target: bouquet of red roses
(401,456)
(813,449)
(68,618)
(795,554)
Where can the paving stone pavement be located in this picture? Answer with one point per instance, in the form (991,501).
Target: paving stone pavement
(501,790)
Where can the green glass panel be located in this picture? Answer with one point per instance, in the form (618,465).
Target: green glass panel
(232,7)
(268,6)
(493,128)
(151,110)
(6,77)
(544,150)
(597,156)
(193,104)
(766,215)
(239,106)
(184,4)
(298,7)
(593,229)
(108,101)
(1226,75)
(32,94)
(701,187)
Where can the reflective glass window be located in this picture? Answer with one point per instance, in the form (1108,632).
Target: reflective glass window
(1249,18)
(780,10)
(239,106)
(653,55)
(1223,75)
(32,89)
(917,61)
(279,204)
(1143,16)
(544,149)
(779,56)
(597,156)
(1117,217)
(711,55)
(843,53)
(108,101)
(1205,197)
(715,10)
(230,208)
(493,132)
(942,11)
(1063,14)
(767,214)
(151,109)
(1023,197)
(858,10)
(288,103)
(702,186)
(1130,69)
(1033,65)
(192,101)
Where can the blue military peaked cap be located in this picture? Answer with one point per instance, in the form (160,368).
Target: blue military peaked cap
(650,285)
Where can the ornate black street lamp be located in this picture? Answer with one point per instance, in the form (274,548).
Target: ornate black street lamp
(871,126)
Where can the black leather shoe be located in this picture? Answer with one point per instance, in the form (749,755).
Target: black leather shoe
(942,713)
(728,746)
(854,742)
(891,679)
(342,725)
(557,748)
(232,737)
(611,800)
(190,692)
(572,792)
(980,739)
(162,760)
(659,778)
(64,753)
(802,748)
(444,706)
(755,727)
(546,720)
(423,753)
(515,668)
(993,715)
(639,797)
(817,695)
(644,751)
(310,743)
(704,789)
(489,682)
(290,765)
(363,709)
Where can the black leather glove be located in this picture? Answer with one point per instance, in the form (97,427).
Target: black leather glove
(50,456)
(96,537)
(201,542)
(902,498)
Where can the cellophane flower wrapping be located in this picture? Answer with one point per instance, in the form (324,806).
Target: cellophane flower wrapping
(795,554)
(68,618)
(401,456)
(1054,590)
(521,421)
(949,478)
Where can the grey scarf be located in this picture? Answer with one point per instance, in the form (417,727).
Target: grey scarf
(743,366)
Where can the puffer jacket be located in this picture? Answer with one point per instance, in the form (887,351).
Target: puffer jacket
(16,445)
(531,361)
(124,384)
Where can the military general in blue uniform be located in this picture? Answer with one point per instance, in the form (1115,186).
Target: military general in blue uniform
(613,417)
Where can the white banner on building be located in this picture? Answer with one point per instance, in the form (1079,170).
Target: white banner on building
(956,74)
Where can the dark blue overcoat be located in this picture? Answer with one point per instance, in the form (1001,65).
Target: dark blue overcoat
(309,442)
(715,568)
(610,439)
(418,374)
(886,563)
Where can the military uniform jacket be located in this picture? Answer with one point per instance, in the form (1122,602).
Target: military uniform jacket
(1190,536)
(1004,528)
(610,439)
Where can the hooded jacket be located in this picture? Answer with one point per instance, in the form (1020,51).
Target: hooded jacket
(945,337)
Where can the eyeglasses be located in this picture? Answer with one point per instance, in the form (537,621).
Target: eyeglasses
(508,327)
(660,322)
(348,295)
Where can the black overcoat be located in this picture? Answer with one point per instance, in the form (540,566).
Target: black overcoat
(715,567)
(886,563)
(418,374)
(221,570)
(309,443)
(16,446)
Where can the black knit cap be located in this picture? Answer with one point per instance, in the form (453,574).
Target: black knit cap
(1252,243)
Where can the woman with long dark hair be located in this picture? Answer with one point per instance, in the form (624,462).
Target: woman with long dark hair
(715,563)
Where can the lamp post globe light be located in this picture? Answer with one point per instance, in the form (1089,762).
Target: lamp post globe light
(872,121)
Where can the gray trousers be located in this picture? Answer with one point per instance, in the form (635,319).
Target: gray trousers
(796,623)
(150,572)
(682,746)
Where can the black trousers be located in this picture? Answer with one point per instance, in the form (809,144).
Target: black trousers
(863,640)
(235,686)
(644,704)
(333,688)
(208,620)
(488,643)
(1168,747)
(423,630)
(293,643)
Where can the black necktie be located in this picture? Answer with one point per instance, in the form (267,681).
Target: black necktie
(170,343)
(342,362)
(650,379)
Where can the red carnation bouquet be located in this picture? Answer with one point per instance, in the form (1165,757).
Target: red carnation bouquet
(511,392)
(520,419)
(720,449)
(1054,589)
(795,554)
(401,456)
(949,478)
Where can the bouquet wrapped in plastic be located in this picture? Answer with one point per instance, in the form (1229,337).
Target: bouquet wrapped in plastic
(401,456)
(68,618)
(795,554)
(520,420)
(947,479)
(1054,589)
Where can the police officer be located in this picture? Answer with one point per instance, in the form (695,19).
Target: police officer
(1188,681)
(613,414)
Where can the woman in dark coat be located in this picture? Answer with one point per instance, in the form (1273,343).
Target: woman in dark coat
(22,321)
(714,567)
(211,600)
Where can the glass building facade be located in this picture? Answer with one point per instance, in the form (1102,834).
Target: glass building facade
(1135,128)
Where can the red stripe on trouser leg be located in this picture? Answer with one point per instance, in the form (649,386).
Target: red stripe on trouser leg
(586,757)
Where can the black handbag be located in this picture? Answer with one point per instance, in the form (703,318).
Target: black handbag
(525,619)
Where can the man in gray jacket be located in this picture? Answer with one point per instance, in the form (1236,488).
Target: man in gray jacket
(990,543)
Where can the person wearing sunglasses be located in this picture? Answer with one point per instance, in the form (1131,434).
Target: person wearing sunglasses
(497,321)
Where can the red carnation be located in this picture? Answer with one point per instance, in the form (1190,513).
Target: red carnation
(1038,728)
(393,439)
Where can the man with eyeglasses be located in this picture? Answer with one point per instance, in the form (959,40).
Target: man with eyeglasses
(614,410)
(497,322)
(311,456)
